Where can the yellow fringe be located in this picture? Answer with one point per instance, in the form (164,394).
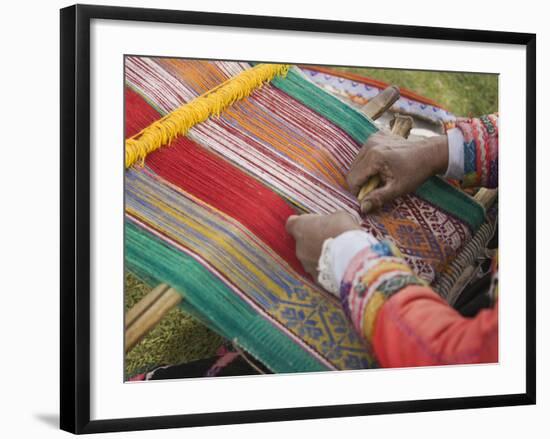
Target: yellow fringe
(213,102)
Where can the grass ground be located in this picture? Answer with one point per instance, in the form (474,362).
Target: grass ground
(179,338)
(464,94)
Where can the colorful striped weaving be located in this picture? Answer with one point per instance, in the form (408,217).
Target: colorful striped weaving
(206,212)
(358,90)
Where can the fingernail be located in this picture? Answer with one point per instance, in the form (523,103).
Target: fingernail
(366,206)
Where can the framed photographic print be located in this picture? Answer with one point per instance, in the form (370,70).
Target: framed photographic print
(284,218)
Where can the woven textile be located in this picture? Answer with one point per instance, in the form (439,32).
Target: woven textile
(206,214)
(358,90)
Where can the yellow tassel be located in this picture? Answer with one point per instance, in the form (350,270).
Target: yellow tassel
(212,103)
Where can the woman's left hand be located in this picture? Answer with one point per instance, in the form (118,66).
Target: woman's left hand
(310,231)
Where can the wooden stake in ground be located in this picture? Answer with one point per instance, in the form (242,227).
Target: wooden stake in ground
(148,312)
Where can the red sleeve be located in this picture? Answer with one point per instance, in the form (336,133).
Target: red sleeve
(418,328)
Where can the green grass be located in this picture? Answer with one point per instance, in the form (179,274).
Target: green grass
(178,338)
(464,94)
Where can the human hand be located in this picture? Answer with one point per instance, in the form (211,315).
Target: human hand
(310,232)
(402,166)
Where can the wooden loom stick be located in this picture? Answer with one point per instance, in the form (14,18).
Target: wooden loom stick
(486,197)
(381,102)
(151,315)
(139,308)
(401,125)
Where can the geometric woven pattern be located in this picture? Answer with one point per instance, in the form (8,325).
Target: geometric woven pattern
(427,237)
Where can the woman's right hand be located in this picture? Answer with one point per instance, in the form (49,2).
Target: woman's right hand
(402,166)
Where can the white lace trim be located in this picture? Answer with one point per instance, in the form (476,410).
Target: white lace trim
(337,253)
(326,277)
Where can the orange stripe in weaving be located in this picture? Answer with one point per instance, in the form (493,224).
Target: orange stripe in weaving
(202,76)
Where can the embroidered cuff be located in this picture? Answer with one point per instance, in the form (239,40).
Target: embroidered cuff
(336,256)
(374,275)
(455,169)
(480,151)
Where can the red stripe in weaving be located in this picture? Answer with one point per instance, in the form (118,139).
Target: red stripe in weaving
(218,183)
(138,115)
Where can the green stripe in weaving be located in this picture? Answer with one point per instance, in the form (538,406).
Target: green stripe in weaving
(356,124)
(360,127)
(455,202)
(220,307)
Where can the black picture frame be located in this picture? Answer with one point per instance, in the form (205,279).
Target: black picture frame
(75,216)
